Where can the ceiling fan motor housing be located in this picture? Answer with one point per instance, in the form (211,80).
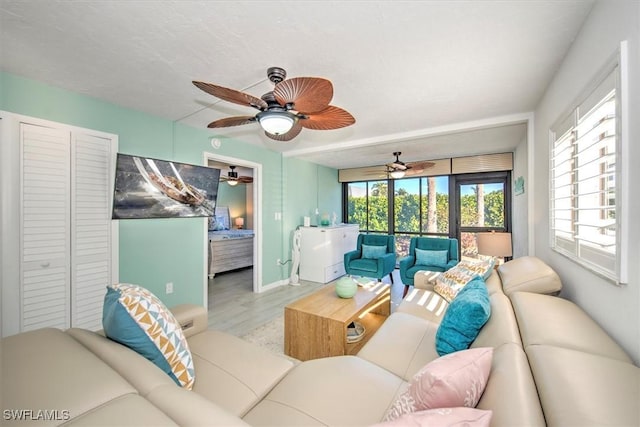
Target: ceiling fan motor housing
(276,74)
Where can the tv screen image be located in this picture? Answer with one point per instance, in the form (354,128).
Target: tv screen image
(152,188)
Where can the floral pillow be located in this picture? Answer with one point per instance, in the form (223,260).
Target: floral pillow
(457,379)
(442,417)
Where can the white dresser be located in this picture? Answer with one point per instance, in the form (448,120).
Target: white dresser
(322,251)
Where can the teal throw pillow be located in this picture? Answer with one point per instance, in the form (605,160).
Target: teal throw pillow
(435,258)
(373,251)
(136,318)
(464,318)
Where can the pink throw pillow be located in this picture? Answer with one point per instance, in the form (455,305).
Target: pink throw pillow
(443,417)
(456,379)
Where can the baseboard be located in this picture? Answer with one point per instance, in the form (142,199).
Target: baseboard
(273,285)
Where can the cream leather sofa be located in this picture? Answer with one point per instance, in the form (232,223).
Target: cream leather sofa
(552,364)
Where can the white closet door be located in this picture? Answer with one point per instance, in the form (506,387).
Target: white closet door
(45,224)
(91,230)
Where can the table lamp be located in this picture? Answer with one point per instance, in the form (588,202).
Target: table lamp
(239,223)
(495,244)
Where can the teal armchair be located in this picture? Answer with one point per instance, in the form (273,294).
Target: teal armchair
(375,256)
(428,253)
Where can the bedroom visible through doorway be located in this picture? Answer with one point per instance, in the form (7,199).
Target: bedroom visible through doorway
(233,234)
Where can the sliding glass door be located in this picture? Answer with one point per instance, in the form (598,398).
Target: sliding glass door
(481,203)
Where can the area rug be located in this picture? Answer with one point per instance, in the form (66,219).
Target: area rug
(270,335)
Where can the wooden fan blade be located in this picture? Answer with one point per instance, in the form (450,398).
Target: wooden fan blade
(327,119)
(418,167)
(308,94)
(295,130)
(231,121)
(232,95)
(245,179)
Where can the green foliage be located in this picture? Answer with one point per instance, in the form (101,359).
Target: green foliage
(493,210)
(407,211)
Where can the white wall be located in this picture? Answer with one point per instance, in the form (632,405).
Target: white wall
(519,205)
(615,308)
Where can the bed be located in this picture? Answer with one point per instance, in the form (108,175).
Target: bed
(228,249)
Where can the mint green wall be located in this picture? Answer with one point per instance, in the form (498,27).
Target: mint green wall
(235,198)
(154,252)
(307,186)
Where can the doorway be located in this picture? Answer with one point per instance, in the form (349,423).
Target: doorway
(253,213)
(481,203)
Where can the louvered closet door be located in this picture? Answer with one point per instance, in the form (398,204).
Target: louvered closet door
(45,223)
(91,231)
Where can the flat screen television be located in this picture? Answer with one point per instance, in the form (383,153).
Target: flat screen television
(152,188)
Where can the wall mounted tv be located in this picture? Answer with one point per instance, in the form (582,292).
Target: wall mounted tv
(152,188)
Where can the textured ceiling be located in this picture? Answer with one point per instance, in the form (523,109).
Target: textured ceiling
(402,68)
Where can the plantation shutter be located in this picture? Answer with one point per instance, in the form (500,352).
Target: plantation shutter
(583,180)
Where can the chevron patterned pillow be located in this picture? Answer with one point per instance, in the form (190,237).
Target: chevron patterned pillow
(136,318)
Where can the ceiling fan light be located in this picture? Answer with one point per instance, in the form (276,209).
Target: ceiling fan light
(397,174)
(276,122)
(232,182)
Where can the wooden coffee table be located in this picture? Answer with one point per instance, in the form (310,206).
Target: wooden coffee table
(316,326)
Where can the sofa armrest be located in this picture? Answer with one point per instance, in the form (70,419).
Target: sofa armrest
(529,274)
(406,262)
(350,256)
(452,263)
(193,318)
(388,261)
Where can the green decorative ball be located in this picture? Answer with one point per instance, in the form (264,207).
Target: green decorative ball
(346,287)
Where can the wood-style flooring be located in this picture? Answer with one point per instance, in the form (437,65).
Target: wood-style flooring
(236,309)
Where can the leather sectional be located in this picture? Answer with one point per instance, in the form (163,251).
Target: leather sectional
(552,365)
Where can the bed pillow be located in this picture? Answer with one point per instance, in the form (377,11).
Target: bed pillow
(442,417)
(455,380)
(435,258)
(373,251)
(136,318)
(221,222)
(464,318)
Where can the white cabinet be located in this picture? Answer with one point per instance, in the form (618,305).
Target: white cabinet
(322,251)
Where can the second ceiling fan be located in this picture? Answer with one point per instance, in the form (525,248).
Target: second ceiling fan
(399,169)
(296,103)
(233,179)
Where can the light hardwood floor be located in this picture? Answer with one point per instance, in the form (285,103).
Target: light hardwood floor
(236,309)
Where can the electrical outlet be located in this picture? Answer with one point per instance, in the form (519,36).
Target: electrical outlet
(169,288)
(278,262)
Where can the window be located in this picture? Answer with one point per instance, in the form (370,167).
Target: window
(584,179)
(367,205)
(420,207)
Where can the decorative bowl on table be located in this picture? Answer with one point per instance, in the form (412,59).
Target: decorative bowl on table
(346,287)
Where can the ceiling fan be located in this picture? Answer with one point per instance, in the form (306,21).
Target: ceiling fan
(399,169)
(296,103)
(233,179)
